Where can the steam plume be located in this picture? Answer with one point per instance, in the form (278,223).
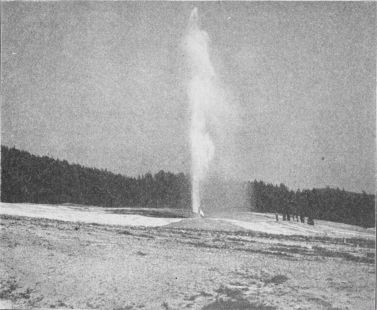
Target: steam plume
(202,96)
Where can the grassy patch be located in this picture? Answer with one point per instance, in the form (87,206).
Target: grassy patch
(291,249)
(278,279)
(323,252)
(239,304)
(229,292)
(236,283)
(125,232)
(231,298)
(369,258)
(205,294)
(7,289)
(218,245)
(321,302)
(145,236)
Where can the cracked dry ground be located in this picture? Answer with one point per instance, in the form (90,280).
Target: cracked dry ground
(52,264)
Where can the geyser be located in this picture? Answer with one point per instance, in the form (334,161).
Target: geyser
(215,131)
(202,96)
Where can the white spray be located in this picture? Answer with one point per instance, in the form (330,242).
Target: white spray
(202,96)
(214,122)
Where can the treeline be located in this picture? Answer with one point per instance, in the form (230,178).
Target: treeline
(324,204)
(29,178)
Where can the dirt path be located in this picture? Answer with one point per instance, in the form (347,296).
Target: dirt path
(47,263)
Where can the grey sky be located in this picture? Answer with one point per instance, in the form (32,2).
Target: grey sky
(103,84)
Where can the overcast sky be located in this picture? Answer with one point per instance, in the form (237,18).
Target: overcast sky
(104,85)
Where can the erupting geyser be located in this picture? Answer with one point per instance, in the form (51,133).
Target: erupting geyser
(202,95)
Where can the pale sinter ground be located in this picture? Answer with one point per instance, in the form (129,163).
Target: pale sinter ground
(188,264)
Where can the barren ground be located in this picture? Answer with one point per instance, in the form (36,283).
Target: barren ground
(192,264)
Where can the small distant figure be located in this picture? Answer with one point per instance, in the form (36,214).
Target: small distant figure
(201,213)
(277,217)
